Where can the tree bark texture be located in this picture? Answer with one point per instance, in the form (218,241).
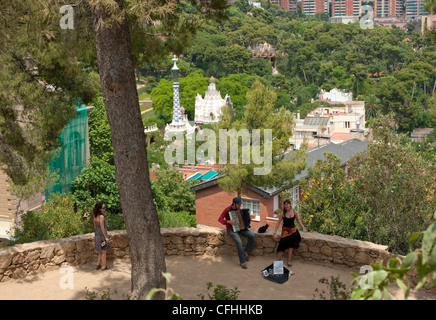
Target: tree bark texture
(120,98)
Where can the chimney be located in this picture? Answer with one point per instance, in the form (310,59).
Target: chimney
(298,114)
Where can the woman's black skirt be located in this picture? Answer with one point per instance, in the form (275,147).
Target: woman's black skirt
(291,241)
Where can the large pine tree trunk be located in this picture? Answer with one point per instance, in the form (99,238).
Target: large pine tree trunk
(130,155)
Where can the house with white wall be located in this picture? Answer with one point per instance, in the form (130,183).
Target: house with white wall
(337,119)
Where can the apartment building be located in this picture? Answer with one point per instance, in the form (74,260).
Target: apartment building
(345,8)
(414,9)
(387,11)
(394,10)
(388,8)
(293,7)
(281,3)
(288,5)
(312,7)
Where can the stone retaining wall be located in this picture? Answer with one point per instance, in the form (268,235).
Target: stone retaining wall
(22,260)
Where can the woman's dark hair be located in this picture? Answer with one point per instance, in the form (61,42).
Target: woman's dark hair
(97,208)
(284,202)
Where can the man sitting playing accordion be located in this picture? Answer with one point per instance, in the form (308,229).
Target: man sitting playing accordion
(226,220)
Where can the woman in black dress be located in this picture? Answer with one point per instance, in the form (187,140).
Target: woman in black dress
(290,238)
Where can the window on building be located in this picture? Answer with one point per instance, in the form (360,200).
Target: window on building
(347,124)
(254,206)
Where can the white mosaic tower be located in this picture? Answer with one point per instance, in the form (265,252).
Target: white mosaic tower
(180,121)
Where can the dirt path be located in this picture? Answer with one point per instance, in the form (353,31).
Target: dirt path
(190,276)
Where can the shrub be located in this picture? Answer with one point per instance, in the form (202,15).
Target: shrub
(337,290)
(97,183)
(170,219)
(57,219)
(221,292)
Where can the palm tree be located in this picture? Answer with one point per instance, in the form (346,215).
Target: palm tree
(371,102)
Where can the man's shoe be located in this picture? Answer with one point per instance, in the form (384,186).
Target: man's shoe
(243,266)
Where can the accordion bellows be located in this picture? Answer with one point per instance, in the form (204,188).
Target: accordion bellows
(242,218)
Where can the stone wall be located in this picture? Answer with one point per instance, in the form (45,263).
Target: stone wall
(29,259)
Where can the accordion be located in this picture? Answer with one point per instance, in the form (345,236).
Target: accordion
(242,219)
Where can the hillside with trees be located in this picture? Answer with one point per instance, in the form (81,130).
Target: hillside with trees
(391,69)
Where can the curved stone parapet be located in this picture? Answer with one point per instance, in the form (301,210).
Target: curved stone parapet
(22,260)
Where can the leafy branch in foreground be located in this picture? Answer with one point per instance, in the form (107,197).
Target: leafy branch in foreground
(168,292)
(106,295)
(398,270)
(337,289)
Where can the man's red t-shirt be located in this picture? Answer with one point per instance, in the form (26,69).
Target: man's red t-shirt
(224,217)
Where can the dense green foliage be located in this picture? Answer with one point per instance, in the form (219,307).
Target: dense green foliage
(174,201)
(171,192)
(97,183)
(100,142)
(396,186)
(329,202)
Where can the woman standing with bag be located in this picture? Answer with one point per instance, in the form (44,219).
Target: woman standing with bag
(101,239)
